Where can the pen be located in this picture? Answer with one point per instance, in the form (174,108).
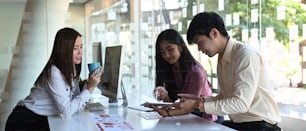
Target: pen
(156,95)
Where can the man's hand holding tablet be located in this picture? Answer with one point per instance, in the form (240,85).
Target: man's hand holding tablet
(157,104)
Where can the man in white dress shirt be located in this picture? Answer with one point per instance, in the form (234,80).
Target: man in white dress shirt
(245,88)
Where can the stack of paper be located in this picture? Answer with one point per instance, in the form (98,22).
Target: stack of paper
(106,122)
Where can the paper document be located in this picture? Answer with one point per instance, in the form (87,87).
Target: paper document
(106,122)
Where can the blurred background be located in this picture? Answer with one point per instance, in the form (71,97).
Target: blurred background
(276,27)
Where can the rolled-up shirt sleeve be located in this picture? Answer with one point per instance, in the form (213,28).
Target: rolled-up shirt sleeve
(245,88)
(240,88)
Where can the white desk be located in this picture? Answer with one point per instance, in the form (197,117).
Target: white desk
(81,122)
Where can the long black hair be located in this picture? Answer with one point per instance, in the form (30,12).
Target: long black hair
(164,70)
(61,55)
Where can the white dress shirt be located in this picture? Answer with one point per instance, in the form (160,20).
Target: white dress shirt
(245,86)
(55,97)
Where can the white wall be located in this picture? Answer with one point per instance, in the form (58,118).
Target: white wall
(40,21)
(76,20)
(11,13)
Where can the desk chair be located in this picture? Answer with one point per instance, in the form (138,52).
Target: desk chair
(292,124)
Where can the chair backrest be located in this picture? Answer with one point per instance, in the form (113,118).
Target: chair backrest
(292,124)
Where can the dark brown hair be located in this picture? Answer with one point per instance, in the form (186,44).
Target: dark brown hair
(61,55)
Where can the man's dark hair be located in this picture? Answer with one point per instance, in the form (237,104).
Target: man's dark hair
(202,24)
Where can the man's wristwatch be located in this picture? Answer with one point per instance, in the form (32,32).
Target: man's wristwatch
(196,108)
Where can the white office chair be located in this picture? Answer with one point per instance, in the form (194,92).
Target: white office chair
(292,124)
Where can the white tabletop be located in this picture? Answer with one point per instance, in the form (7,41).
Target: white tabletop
(82,122)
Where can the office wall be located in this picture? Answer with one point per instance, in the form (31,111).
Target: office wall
(76,19)
(42,18)
(11,13)
(31,41)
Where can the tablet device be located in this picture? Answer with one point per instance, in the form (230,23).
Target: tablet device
(158,104)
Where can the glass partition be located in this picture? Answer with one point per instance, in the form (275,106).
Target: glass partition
(275,27)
